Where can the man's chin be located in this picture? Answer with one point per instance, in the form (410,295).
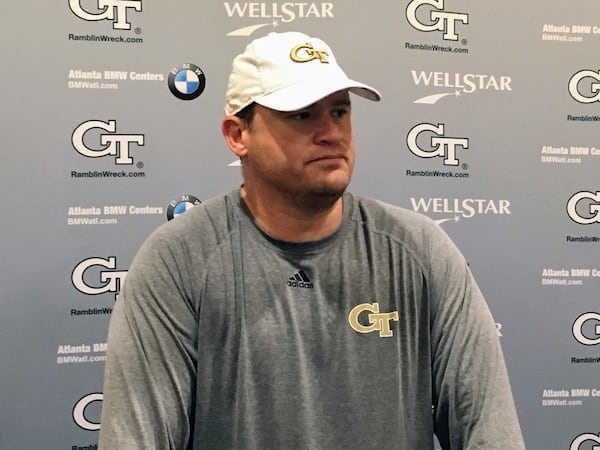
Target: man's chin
(331,191)
(326,194)
(334,183)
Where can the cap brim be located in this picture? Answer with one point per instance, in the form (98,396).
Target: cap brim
(307,92)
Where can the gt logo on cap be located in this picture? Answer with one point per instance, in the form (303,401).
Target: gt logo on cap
(310,53)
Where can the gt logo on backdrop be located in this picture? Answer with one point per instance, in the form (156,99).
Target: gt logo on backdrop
(442,146)
(117,145)
(115,10)
(589,202)
(579,324)
(79,411)
(111,280)
(441,20)
(584,86)
(585,437)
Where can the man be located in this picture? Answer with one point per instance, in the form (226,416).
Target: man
(290,313)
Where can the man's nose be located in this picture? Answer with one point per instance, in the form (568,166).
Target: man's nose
(329,129)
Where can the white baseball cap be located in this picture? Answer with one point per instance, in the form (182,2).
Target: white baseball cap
(286,72)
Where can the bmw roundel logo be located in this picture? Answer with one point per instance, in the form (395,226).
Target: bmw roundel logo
(186,82)
(181,205)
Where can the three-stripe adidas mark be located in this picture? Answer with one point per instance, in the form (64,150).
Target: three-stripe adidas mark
(300,280)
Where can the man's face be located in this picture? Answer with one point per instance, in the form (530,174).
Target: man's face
(305,153)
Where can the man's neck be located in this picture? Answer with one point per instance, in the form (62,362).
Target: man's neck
(291,221)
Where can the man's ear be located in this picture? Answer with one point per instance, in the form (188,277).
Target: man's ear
(233,129)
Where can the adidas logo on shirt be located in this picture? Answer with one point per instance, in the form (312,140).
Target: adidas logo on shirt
(300,280)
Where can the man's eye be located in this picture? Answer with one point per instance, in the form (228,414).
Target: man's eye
(301,115)
(341,112)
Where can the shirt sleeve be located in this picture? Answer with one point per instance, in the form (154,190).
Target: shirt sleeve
(150,372)
(473,402)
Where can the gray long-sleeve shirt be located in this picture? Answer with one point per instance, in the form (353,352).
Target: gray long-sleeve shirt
(374,337)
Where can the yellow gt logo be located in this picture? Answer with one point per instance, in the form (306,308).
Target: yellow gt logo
(378,321)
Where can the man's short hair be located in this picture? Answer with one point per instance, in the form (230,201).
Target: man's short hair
(246,114)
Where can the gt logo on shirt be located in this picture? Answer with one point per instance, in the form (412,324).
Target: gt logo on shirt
(115,10)
(311,54)
(112,279)
(116,144)
(442,146)
(578,328)
(378,321)
(591,203)
(441,20)
(594,86)
(579,440)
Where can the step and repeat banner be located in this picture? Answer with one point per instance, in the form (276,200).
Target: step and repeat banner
(110,126)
